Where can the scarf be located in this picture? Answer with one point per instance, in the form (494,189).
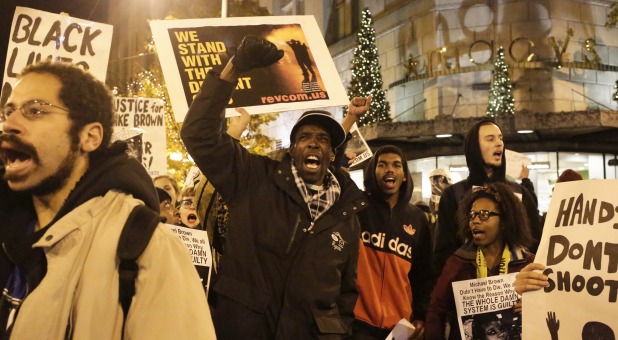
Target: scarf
(319,198)
(481,264)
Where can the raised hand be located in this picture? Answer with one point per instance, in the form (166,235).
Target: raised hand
(525,172)
(359,105)
(255,52)
(553,325)
(238,124)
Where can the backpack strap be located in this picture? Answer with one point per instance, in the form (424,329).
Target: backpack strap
(134,239)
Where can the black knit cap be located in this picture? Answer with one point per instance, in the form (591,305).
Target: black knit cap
(163,195)
(323,119)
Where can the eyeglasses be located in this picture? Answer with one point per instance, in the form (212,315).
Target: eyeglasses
(186,203)
(30,110)
(484,215)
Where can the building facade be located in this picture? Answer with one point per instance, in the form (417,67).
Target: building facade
(437,58)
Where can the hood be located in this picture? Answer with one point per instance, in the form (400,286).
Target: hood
(474,158)
(370,182)
(115,171)
(12,202)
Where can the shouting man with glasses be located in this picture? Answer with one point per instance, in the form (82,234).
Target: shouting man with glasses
(66,195)
(493,222)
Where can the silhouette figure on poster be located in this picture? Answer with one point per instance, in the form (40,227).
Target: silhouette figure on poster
(301,52)
(592,329)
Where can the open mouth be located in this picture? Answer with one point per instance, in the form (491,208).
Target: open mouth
(15,157)
(498,154)
(312,162)
(477,233)
(192,218)
(389,181)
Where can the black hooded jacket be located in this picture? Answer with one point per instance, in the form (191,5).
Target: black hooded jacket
(397,239)
(116,171)
(447,239)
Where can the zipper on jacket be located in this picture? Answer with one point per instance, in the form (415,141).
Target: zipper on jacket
(384,256)
(289,247)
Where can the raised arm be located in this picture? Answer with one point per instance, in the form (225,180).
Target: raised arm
(357,107)
(220,157)
(238,124)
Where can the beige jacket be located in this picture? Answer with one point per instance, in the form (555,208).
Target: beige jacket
(80,290)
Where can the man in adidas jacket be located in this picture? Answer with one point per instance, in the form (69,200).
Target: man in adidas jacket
(394,265)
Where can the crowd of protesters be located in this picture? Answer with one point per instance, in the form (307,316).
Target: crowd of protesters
(301,252)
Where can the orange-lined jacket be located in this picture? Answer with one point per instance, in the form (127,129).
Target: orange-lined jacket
(394,265)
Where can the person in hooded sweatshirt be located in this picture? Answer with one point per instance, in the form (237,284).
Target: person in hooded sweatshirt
(394,263)
(66,195)
(485,157)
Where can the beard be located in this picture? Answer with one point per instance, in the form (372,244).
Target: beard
(52,183)
(56,181)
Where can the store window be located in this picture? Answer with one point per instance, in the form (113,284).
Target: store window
(545,169)
(344,20)
(611,166)
(420,169)
(456,165)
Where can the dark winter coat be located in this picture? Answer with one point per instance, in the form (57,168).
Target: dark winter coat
(394,270)
(276,280)
(447,240)
(460,266)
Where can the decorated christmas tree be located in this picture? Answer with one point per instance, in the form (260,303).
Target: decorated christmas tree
(366,77)
(501,99)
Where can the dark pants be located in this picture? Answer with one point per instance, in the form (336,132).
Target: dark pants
(364,331)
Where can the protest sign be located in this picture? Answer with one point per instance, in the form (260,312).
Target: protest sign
(487,302)
(193,177)
(38,35)
(304,78)
(199,248)
(515,161)
(580,249)
(357,150)
(402,331)
(141,122)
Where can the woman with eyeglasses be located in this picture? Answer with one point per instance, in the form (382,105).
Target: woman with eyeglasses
(493,223)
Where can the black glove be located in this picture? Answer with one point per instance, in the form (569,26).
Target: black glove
(255,52)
